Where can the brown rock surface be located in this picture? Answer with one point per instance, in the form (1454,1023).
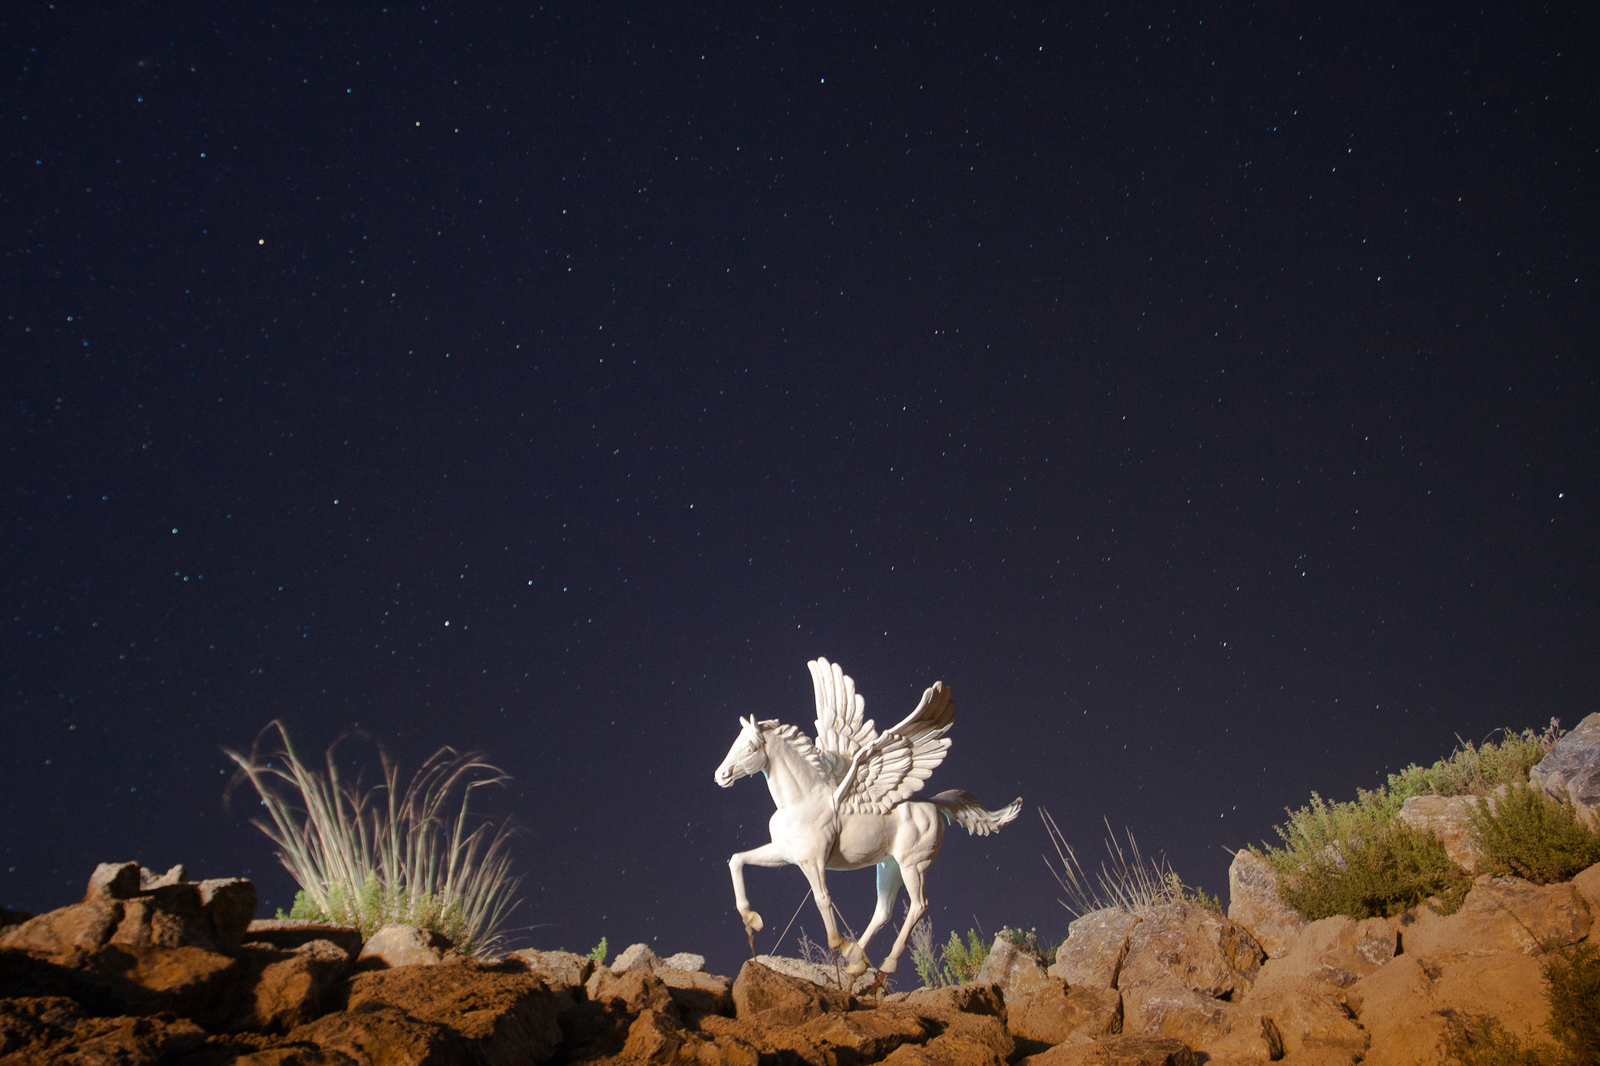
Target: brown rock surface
(187,982)
(631,992)
(868,1035)
(1117,1051)
(560,969)
(1095,947)
(1500,914)
(1013,970)
(290,933)
(953,1000)
(86,925)
(1407,1005)
(1254,903)
(1055,1012)
(767,997)
(383,1036)
(698,993)
(1311,1020)
(1337,950)
(403,945)
(1202,950)
(1446,817)
(507,1015)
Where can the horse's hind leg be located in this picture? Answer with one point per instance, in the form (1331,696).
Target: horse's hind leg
(888,887)
(914,875)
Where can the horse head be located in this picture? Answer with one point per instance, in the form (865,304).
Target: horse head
(747,756)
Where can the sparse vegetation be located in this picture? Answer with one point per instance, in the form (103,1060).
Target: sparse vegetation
(368,857)
(1353,858)
(1127,881)
(961,962)
(1529,835)
(600,952)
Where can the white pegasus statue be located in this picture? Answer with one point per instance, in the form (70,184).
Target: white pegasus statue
(844,802)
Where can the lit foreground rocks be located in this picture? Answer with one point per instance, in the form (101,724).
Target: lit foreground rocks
(155,969)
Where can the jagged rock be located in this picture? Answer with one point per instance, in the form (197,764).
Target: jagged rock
(291,933)
(632,992)
(1310,1017)
(1570,771)
(1095,947)
(868,1035)
(185,981)
(1407,1005)
(1588,886)
(636,957)
(149,879)
(1117,1051)
(1500,914)
(64,1037)
(288,986)
(36,1020)
(563,970)
(1254,903)
(818,973)
(113,880)
(85,926)
(684,960)
(229,905)
(1338,950)
(1449,819)
(967,1040)
(403,945)
(1015,971)
(1202,950)
(1054,1012)
(952,1001)
(698,993)
(506,1018)
(766,997)
(382,1036)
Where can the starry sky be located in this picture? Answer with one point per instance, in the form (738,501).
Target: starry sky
(1207,393)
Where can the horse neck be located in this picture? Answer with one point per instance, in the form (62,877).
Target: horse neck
(790,777)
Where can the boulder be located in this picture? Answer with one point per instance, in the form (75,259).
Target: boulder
(684,960)
(867,1035)
(1337,951)
(820,973)
(1055,1012)
(505,1017)
(636,957)
(1449,819)
(953,1001)
(36,1020)
(698,993)
(114,880)
(1117,1051)
(1012,970)
(766,997)
(149,879)
(1588,885)
(563,970)
(403,945)
(380,1036)
(1200,949)
(229,906)
(291,933)
(1407,1006)
(966,1040)
(85,926)
(1500,914)
(629,992)
(1310,1016)
(1570,771)
(288,986)
(61,1035)
(1095,947)
(189,982)
(1254,903)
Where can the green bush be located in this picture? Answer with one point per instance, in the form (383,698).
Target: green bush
(1380,869)
(600,951)
(1529,835)
(963,961)
(1353,858)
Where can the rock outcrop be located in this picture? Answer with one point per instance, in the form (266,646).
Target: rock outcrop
(1570,771)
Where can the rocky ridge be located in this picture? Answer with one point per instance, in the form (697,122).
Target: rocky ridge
(152,968)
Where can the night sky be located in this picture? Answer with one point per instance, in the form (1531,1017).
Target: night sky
(1209,395)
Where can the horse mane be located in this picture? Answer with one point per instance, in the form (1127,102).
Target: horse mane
(798,741)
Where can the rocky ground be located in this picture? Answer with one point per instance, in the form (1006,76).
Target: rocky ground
(152,968)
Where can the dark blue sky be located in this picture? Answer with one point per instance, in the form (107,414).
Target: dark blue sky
(1210,397)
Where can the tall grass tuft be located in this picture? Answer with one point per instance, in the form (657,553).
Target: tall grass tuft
(368,857)
(1126,881)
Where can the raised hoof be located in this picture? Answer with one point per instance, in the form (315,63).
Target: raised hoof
(752,921)
(857,968)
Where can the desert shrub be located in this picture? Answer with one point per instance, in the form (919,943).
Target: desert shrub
(1529,835)
(1353,858)
(370,856)
(1484,1041)
(1126,881)
(1473,770)
(600,952)
(1379,869)
(961,962)
(1572,988)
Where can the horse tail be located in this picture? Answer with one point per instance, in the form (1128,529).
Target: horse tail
(963,808)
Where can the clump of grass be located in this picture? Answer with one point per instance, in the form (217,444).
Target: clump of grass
(1527,834)
(1572,992)
(368,857)
(1126,881)
(1353,858)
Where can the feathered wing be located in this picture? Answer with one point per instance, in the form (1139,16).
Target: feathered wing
(895,765)
(842,731)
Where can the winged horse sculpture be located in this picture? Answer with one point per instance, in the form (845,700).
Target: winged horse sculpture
(844,803)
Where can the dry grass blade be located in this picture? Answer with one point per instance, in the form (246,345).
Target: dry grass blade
(1126,883)
(407,859)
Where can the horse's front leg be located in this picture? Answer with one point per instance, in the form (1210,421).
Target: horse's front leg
(816,871)
(768,855)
